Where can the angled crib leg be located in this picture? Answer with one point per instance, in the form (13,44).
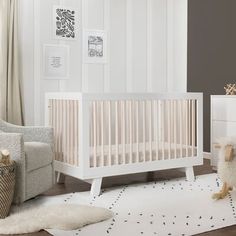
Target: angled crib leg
(96,187)
(189,173)
(60,178)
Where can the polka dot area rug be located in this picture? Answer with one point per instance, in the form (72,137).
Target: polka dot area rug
(175,207)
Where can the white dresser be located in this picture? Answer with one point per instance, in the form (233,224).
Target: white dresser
(223,120)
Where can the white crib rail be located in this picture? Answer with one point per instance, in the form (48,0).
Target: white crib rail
(104,130)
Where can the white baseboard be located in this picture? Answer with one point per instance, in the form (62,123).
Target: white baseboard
(207,155)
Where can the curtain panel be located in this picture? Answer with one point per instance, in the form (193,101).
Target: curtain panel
(11,108)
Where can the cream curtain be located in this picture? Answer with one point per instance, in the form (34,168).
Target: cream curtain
(10,93)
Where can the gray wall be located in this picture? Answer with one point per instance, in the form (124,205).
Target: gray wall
(211,51)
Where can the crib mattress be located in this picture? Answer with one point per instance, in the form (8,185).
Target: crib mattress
(138,155)
(165,152)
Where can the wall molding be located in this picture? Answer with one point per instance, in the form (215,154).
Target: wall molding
(107,29)
(129,46)
(84,25)
(149,46)
(37,63)
(170,45)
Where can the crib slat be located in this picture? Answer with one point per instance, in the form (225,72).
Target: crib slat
(109,133)
(137,131)
(117,132)
(102,133)
(156,127)
(193,126)
(54,124)
(150,130)
(144,131)
(94,135)
(71,122)
(53,112)
(169,127)
(175,129)
(130,132)
(70,115)
(186,127)
(58,107)
(62,131)
(123,132)
(163,111)
(181,126)
(76,135)
(70,132)
(65,132)
(189,125)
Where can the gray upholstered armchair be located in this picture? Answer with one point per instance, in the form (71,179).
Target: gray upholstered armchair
(32,149)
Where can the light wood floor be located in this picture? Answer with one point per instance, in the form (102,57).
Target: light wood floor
(74,185)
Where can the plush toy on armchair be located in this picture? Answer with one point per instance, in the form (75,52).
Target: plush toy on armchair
(226,166)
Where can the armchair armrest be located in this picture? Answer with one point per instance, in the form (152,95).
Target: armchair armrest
(14,143)
(30,133)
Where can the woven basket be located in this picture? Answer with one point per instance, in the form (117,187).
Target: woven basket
(7,184)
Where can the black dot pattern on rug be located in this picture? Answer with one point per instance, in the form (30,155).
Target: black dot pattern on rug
(232,206)
(112,224)
(154,220)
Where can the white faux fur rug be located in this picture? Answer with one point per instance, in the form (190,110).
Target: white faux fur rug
(166,208)
(62,216)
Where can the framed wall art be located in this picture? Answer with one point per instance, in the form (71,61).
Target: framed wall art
(65,23)
(94,46)
(56,61)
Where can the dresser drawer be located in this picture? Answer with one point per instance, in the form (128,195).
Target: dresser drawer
(223,129)
(224,108)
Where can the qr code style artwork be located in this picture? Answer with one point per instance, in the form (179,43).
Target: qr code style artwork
(64,23)
(95,46)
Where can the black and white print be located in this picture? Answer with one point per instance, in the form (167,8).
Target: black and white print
(64,22)
(94,46)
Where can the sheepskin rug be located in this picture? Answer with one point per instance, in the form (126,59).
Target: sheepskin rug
(62,216)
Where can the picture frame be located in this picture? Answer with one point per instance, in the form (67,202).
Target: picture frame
(56,61)
(65,23)
(95,46)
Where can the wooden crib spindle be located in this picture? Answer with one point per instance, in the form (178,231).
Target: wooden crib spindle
(76,130)
(130,133)
(102,133)
(156,127)
(123,125)
(150,130)
(189,126)
(144,131)
(181,126)
(109,133)
(137,131)
(193,126)
(94,135)
(116,132)
(175,128)
(163,110)
(169,127)
(186,128)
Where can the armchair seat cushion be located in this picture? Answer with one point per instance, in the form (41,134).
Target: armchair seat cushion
(37,155)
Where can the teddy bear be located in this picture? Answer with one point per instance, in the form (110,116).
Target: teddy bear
(226,166)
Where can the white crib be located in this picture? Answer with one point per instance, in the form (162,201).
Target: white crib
(99,135)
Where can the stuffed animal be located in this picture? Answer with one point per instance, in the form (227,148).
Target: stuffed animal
(5,160)
(226,166)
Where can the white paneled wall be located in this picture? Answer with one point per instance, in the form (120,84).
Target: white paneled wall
(147,48)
